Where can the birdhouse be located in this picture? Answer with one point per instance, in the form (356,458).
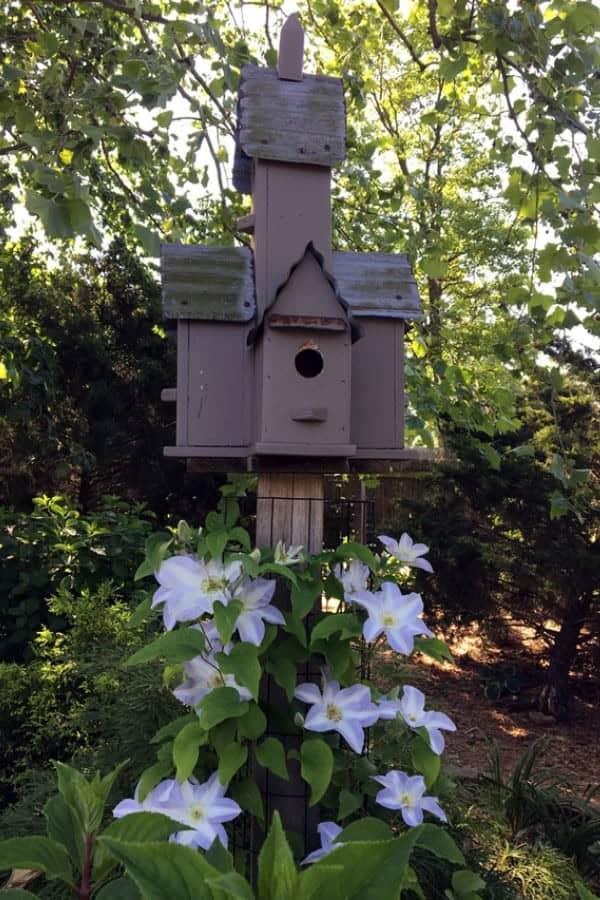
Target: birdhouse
(288,348)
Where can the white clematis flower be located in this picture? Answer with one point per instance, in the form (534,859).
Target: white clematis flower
(288,556)
(255,596)
(353,578)
(394,614)
(201,807)
(407,552)
(348,710)
(328,832)
(412,709)
(406,793)
(189,587)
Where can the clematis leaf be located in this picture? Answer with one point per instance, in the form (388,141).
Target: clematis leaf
(316,766)
(226,618)
(231,759)
(243,664)
(271,755)
(438,841)
(425,761)
(247,794)
(346,624)
(222,703)
(186,748)
(176,646)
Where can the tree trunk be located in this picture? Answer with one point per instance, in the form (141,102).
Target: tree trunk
(555,695)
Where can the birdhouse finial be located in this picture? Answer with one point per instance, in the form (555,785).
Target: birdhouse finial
(291,50)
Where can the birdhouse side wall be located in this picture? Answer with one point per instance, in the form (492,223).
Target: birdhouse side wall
(378,397)
(214,385)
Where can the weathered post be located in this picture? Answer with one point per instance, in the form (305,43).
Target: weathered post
(290,355)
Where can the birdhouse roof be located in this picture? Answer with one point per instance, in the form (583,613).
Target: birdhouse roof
(290,121)
(377,284)
(214,283)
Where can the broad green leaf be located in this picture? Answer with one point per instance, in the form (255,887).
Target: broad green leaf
(434,648)
(150,240)
(271,755)
(216,541)
(437,841)
(53,215)
(433,266)
(346,624)
(242,662)
(253,723)
(584,893)
(139,827)
(322,883)
(151,776)
(231,886)
(163,870)
(362,862)
(171,729)
(466,882)
(277,876)
(119,889)
(219,857)
(316,766)
(367,829)
(352,550)
(17,894)
(222,703)
(283,671)
(175,646)
(64,827)
(247,794)
(425,761)
(39,853)
(348,803)
(186,748)
(141,613)
(304,596)
(278,569)
(231,759)
(226,618)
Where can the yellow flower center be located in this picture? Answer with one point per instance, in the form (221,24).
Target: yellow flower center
(197,813)
(389,620)
(406,800)
(334,713)
(215,680)
(213,584)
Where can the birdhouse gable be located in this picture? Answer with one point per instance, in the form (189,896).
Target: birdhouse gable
(308,298)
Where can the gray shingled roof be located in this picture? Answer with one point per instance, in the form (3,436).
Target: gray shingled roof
(215,283)
(377,284)
(291,121)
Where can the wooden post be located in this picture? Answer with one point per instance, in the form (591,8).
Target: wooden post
(290,508)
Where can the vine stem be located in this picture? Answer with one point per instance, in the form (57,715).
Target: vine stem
(86,871)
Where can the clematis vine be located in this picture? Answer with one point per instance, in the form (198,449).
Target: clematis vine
(328,831)
(202,808)
(203,676)
(354,577)
(189,587)
(288,556)
(412,709)
(345,710)
(255,596)
(394,614)
(407,552)
(406,793)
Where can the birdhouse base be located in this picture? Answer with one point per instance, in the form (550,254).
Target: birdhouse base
(304,450)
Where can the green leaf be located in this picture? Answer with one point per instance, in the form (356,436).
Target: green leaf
(439,842)
(231,885)
(352,550)
(367,829)
(584,893)
(243,663)
(466,882)
(163,870)
(141,612)
(271,755)
(434,648)
(186,748)
(39,853)
(222,703)
(277,876)
(316,766)
(296,627)
(151,776)
(16,894)
(346,624)
(231,759)
(150,240)
(139,827)
(284,672)
(433,265)
(219,857)
(119,889)
(279,570)
(226,618)
(175,646)
(320,883)
(253,723)
(425,761)
(247,794)
(64,827)
(364,863)
(54,216)
(216,541)
(304,595)
(171,729)
(348,803)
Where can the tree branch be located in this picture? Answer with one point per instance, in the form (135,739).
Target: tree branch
(119,7)
(433,30)
(14,148)
(413,53)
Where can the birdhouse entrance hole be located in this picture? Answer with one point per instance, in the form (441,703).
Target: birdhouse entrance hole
(309,362)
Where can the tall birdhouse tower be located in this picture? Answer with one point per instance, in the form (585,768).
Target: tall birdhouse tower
(290,349)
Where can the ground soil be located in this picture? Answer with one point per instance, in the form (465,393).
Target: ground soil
(458,689)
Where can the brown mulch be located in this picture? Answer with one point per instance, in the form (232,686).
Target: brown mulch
(458,690)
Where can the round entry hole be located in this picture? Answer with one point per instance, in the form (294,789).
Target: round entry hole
(309,362)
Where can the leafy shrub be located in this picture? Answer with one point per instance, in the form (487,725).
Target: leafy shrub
(56,548)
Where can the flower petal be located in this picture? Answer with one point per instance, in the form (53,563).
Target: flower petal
(352,732)
(251,628)
(431,805)
(308,692)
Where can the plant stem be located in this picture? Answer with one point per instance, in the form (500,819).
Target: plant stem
(86,871)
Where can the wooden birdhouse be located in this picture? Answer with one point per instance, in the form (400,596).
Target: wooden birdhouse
(289,348)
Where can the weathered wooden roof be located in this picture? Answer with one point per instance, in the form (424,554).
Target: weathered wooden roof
(291,121)
(215,283)
(377,284)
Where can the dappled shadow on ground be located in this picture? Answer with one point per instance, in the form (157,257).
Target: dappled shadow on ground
(475,691)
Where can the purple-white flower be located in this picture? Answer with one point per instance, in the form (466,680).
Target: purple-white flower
(406,793)
(394,614)
(202,808)
(189,587)
(255,596)
(353,578)
(328,832)
(347,710)
(412,709)
(203,676)
(288,556)
(407,552)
